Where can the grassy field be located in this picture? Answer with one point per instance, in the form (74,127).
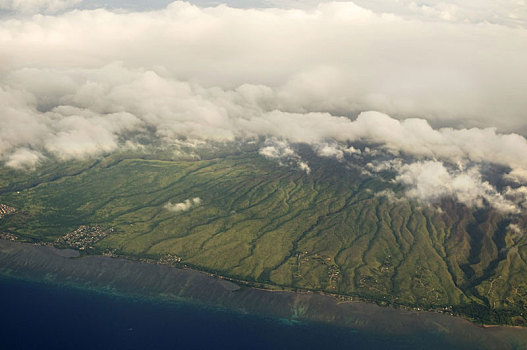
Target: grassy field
(269,224)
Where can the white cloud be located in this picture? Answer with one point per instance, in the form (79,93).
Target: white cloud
(333,150)
(517,195)
(281,150)
(36,6)
(79,112)
(336,57)
(502,12)
(277,149)
(304,166)
(450,85)
(416,137)
(515,229)
(183,206)
(430,181)
(23,158)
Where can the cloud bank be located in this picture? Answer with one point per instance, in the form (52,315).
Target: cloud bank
(336,57)
(414,82)
(502,12)
(36,6)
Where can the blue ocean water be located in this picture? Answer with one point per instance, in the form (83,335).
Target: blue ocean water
(42,316)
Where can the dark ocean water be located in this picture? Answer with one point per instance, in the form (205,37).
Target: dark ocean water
(42,316)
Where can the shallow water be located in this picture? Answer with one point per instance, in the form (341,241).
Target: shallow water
(97,302)
(36,316)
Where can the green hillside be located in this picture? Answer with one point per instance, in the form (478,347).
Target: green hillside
(331,230)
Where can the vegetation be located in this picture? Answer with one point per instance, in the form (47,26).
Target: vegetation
(268,224)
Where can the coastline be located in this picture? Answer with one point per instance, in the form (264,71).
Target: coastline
(127,277)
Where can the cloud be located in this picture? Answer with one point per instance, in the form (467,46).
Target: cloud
(515,229)
(430,181)
(304,166)
(337,57)
(416,137)
(331,149)
(183,206)
(74,113)
(502,12)
(281,150)
(407,81)
(277,149)
(23,158)
(79,112)
(36,6)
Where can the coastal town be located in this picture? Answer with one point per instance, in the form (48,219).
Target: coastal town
(6,210)
(169,259)
(8,236)
(84,237)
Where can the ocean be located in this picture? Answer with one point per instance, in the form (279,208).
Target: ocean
(51,301)
(45,316)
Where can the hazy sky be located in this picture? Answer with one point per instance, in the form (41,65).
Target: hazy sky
(443,81)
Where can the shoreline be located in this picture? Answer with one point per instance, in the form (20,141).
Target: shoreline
(128,277)
(340,298)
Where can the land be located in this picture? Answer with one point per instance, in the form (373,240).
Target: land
(270,226)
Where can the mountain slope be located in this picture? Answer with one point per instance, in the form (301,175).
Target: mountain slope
(334,229)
